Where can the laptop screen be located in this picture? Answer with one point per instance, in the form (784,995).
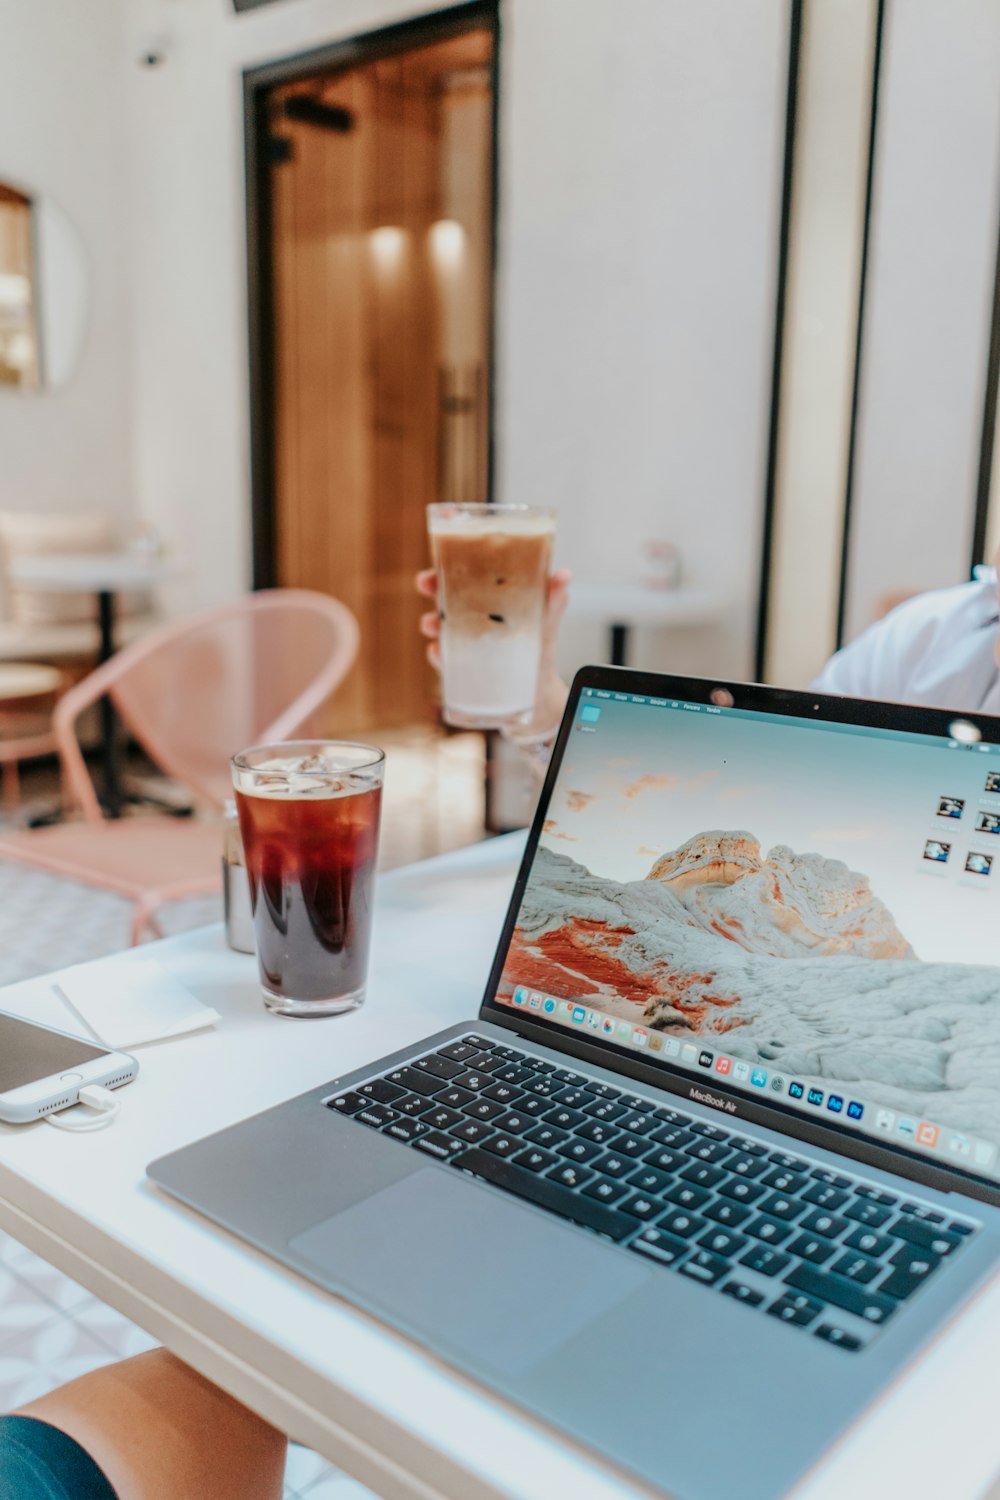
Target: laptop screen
(803,911)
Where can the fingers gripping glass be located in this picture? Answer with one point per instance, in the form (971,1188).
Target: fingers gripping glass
(493,564)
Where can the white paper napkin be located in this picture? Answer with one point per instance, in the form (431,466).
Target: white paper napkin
(135,1003)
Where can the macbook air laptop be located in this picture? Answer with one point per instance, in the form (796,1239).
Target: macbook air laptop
(719,1155)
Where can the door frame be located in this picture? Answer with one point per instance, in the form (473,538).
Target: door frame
(436,26)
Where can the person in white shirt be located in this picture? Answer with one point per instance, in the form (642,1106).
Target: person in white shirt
(940,649)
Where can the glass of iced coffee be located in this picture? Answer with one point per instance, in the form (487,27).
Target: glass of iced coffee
(309,819)
(493,564)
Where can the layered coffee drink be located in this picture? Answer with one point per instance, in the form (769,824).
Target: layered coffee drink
(309,820)
(493,564)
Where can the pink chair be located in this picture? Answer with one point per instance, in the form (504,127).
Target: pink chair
(192,694)
(22,740)
(27,693)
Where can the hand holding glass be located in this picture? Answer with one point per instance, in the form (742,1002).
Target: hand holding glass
(493,565)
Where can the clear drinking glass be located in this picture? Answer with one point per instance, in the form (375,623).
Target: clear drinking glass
(493,564)
(309,818)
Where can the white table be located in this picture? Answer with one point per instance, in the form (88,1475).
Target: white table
(104,574)
(622,606)
(398,1419)
(88,572)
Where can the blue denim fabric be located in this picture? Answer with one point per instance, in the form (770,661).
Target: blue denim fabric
(38,1462)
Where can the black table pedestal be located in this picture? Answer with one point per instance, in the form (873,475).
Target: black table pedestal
(111,794)
(619,645)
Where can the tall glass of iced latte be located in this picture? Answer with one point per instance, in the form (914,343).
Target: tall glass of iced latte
(493,563)
(309,820)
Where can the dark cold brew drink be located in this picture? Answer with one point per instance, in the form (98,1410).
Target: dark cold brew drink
(309,820)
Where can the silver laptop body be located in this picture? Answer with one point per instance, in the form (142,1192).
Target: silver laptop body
(720,1153)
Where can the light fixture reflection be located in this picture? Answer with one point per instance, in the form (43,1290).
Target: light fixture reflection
(388,244)
(15,291)
(447,244)
(19,351)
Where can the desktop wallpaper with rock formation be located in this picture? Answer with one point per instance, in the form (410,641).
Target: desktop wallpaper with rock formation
(764,887)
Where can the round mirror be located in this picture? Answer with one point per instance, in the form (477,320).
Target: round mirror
(43,292)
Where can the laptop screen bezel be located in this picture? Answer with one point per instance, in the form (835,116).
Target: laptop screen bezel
(622,1060)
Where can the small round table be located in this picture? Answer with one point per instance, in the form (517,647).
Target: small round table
(621,606)
(105,574)
(21,680)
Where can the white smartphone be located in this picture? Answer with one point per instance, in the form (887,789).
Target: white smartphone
(42,1070)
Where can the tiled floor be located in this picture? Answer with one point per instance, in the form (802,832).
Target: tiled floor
(51,1329)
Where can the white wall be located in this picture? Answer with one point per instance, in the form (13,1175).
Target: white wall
(640,198)
(820,330)
(640,172)
(928,300)
(61,134)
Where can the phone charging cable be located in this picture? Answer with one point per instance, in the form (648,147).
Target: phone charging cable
(95,1098)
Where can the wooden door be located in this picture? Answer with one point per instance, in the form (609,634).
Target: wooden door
(367,165)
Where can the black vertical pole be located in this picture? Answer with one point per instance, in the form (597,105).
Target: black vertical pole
(112,798)
(859,331)
(989,426)
(784,231)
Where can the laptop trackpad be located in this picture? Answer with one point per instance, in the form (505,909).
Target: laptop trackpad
(469,1269)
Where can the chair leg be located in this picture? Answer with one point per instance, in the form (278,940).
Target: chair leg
(11,786)
(143,916)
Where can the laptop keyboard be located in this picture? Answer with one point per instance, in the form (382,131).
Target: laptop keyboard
(818,1249)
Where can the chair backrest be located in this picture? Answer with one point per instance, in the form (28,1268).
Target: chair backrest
(199,689)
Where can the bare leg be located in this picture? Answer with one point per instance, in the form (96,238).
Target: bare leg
(160,1431)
